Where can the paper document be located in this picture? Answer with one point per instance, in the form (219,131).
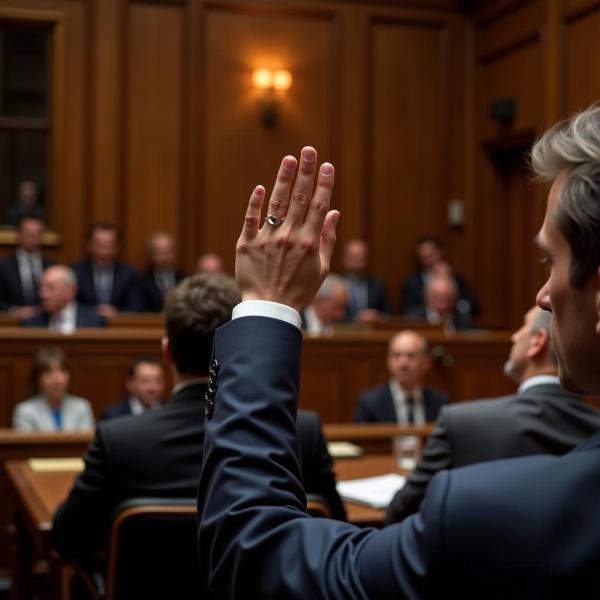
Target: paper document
(372,491)
(49,465)
(344,449)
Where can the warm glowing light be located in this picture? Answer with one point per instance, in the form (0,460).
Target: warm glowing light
(282,80)
(262,79)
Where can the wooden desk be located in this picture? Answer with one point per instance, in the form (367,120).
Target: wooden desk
(374,438)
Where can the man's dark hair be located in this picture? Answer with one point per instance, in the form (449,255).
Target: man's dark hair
(193,310)
(142,360)
(573,147)
(104,226)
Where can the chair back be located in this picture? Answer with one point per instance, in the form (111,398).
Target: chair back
(153,550)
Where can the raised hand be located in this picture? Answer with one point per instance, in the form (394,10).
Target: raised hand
(287,261)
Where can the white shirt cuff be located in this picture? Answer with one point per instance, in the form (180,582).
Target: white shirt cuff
(265,308)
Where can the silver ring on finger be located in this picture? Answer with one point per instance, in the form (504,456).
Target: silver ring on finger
(274,220)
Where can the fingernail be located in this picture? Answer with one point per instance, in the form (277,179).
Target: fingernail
(309,154)
(259,190)
(289,163)
(327,168)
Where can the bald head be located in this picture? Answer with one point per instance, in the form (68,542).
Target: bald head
(440,294)
(331,300)
(58,287)
(408,359)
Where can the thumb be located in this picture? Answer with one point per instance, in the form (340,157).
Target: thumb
(327,242)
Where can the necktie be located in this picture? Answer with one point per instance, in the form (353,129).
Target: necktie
(104,290)
(30,283)
(410,410)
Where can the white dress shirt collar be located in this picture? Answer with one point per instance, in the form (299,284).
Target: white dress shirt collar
(538,380)
(66,320)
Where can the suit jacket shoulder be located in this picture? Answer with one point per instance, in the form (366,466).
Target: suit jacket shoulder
(116,410)
(376,405)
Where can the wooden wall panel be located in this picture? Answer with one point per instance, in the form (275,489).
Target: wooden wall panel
(581,40)
(239,152)
(407,116)
(154,124)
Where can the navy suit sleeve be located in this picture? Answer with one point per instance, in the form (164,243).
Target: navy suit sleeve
(437,455)
(255,538)
(362,413)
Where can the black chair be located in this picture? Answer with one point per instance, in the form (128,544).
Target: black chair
(152,552)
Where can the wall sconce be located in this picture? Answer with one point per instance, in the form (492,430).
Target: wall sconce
(270,82)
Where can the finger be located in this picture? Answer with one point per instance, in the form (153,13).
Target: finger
(321,201)
(279,200)
(253,214)
(303,188)
(327,242)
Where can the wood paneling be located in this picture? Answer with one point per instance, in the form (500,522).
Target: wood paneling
(154,146)
(581,40)
(408,170)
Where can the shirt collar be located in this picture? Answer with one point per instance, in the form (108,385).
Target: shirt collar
(538,380)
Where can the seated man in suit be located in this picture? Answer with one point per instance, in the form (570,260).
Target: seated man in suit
(61,313)
(541,418)
(327,308)
(428,254)
(520,527)
(403,399)
(442,306)
(161,276)
(145,383)
(105,282)
(20,273)
(367,296)
(159,453)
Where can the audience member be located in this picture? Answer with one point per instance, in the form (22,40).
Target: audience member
(159,453)
(20,272)
(442,306)
(145,384)
(161,276)
(367,296)
(519,527)
(52,408)
(403,399)
(105,282)
(60,312)
(428,254)
(541,418)
(210,263)
(27,203)
(328,307)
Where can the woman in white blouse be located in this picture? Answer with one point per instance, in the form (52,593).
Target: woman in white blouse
(52,409)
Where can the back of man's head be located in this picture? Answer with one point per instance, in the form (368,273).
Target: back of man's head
(193,311)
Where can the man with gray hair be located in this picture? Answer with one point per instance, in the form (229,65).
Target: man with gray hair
(61,313)
(328,308)
(541,418)
(515,528)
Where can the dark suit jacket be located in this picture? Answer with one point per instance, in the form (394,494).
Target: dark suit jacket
(517,528)
(86,317)
(377,405)
(11,289)
(412,295)
(120,409)
(152,300)
(544,419)
(376,296)
(159,454)
(125,295)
